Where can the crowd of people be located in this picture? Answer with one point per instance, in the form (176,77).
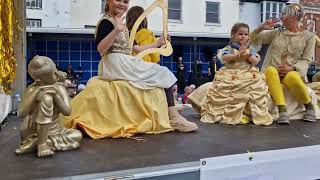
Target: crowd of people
(196,76)
(73,82)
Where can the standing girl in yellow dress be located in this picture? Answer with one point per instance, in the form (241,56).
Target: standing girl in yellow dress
(238,88)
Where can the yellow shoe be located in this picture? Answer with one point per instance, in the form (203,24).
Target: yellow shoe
(245,119)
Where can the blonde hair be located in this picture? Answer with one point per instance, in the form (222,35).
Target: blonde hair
(106,7)
(295,10)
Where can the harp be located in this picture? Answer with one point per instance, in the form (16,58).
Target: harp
(166,49)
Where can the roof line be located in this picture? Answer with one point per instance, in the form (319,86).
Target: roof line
(91,31)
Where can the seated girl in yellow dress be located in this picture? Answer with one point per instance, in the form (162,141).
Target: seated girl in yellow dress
(286,63)
(238,88)
(127,97)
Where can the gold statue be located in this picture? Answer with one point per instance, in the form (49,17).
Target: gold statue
(41,105)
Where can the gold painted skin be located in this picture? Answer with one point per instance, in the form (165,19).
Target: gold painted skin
(41,105)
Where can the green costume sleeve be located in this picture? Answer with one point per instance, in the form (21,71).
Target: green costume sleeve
(257,39)
(307,57)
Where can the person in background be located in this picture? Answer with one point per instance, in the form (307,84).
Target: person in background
(214,65)
(197,73)
(180,75)
(71,88)
(81,87)
(70,73)
(193,87)
(187,91)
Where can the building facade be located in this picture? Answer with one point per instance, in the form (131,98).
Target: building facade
(312,21)
(254,12)
(48,13)
(68,39)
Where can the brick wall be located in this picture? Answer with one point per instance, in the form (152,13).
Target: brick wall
(312,8)
(314,3)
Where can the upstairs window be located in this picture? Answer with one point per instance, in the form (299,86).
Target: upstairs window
(34,4)
(103,4)
(34,23)
(213,12)
(174,10)
(270,9)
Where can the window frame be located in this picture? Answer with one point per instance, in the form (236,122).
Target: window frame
(35,22)
(176,20)
(264,12)
(218,14)
(103,4)
(37,4)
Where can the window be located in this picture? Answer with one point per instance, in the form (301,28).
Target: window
(281,5)
(268,5)
(34,4)
(311,25)
(274,10)
(261,10)
(174,10)
(34,23)
(270,9)
(103,4)
(212,12)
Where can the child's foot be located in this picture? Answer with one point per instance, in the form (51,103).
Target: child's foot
(283,118)
(44,150)
(244,120)
(310,116)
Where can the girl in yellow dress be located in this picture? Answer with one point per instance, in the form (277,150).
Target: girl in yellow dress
(238,88)
(143,37)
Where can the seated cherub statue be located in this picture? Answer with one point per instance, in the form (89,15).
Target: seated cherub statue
(41,105)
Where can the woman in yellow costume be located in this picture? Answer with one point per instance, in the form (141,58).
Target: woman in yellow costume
(287,60)
(238,88)
(127,97)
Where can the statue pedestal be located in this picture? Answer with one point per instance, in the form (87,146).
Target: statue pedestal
(5,105)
